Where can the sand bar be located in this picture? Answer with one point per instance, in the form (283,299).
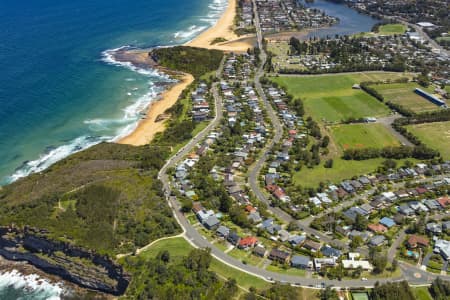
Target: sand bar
(148,127)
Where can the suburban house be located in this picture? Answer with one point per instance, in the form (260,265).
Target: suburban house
(211,223)
(311,245)
(247,242)
(301,261)
(377,240)
(415,241)
(259,251)
(324,262)
(223,231)
(279,255)
(233,237)
(377,228)
(388,222)
(442,247)
(330,251)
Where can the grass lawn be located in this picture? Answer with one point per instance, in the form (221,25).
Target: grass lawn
(422,293)
(391,29)
(289,271)
(243,279)
(435,135)
(179,247)
(342,169)
(403,94)
(331,98)
(246,256)
(388,29)
(362,136)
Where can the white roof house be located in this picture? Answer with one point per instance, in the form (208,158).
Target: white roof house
(355,264)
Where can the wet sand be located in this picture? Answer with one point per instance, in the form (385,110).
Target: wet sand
(223,29)
(148,127)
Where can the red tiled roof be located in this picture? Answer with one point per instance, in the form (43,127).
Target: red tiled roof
(415,240)
(250,208)
(444,201)
(271,188)
(377,228)
(279,193)
(248,241)
(421,190)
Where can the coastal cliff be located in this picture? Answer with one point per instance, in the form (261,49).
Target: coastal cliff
(81,267)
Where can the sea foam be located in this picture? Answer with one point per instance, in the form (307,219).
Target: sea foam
(216,8)
(131,114)
(31,286)
(54,155)
(122,126)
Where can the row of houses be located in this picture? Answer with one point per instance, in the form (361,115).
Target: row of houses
(246,14)
(200,106)
(296,131)
(288,15)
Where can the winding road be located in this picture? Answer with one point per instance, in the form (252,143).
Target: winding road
(411,273)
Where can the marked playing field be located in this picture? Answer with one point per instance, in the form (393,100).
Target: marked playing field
(434,135)
(403,94)
(390,29)
(331,98)
(360,296)
(362,136)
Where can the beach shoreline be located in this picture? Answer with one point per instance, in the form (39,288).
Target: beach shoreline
(223,29)
(154,121)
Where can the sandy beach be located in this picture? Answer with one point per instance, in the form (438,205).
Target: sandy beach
(148,127)
(223,29)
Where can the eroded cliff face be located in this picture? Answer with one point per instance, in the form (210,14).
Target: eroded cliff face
(82,267)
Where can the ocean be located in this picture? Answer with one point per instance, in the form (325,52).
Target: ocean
(61,92)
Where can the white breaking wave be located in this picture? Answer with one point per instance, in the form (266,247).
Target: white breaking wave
(36,286)
(192,30)
(108,57)
(132,113)
(216,8)
(126,124)
(55,155)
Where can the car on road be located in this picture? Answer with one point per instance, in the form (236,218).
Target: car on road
(364,279)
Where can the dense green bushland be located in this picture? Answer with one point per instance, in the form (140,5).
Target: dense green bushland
(105,198)
(166,278)
(195,61)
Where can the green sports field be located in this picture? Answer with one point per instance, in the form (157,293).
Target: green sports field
(388,29)
(362,136)
(391,29)
(434,135)
(330,98)
(403,94)
(360,296)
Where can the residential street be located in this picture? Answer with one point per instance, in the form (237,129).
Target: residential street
(411,273)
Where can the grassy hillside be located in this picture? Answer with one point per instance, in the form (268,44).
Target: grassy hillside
(105,198)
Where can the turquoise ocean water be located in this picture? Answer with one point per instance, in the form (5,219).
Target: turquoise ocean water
(60,92)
